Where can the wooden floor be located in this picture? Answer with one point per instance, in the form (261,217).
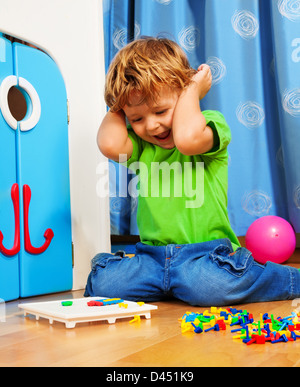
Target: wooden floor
(157,342)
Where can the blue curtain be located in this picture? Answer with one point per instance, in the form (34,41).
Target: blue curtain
(253,48)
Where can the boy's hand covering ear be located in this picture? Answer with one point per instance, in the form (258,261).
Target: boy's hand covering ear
(203,79)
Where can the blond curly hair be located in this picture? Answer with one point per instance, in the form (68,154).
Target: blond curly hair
(145,65)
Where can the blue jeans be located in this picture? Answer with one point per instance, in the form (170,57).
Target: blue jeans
(203,274)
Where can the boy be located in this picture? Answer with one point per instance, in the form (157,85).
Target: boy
(188,249)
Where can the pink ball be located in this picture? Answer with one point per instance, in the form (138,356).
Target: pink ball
(271,238)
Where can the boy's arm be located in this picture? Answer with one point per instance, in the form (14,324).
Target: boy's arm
(191,134)
(113,137)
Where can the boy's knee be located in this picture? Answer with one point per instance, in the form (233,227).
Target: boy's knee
(218,279)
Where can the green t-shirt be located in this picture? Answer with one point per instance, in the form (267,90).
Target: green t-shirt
(182,199)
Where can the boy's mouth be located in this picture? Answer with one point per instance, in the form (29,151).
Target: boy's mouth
(163,136)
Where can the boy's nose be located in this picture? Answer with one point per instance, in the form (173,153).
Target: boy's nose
(152,125)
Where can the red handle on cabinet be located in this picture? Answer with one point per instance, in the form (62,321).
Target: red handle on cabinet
(16,247)
(48,233)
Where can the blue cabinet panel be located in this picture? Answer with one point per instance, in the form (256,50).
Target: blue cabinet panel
(44,167)
(9,266)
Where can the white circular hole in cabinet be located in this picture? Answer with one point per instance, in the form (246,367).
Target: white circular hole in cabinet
(15,108)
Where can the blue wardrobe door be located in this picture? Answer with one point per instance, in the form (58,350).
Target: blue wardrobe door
(43,158)
(9,265)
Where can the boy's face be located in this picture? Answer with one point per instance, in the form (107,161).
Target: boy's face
(153,123)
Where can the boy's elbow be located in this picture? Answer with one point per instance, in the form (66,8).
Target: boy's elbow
(187,145)
(115,151)
(107,148)
(183,148)
(193,143)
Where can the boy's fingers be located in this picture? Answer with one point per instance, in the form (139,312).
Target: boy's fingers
(204,66)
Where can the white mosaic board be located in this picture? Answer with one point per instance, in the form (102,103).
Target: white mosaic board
(80,312)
